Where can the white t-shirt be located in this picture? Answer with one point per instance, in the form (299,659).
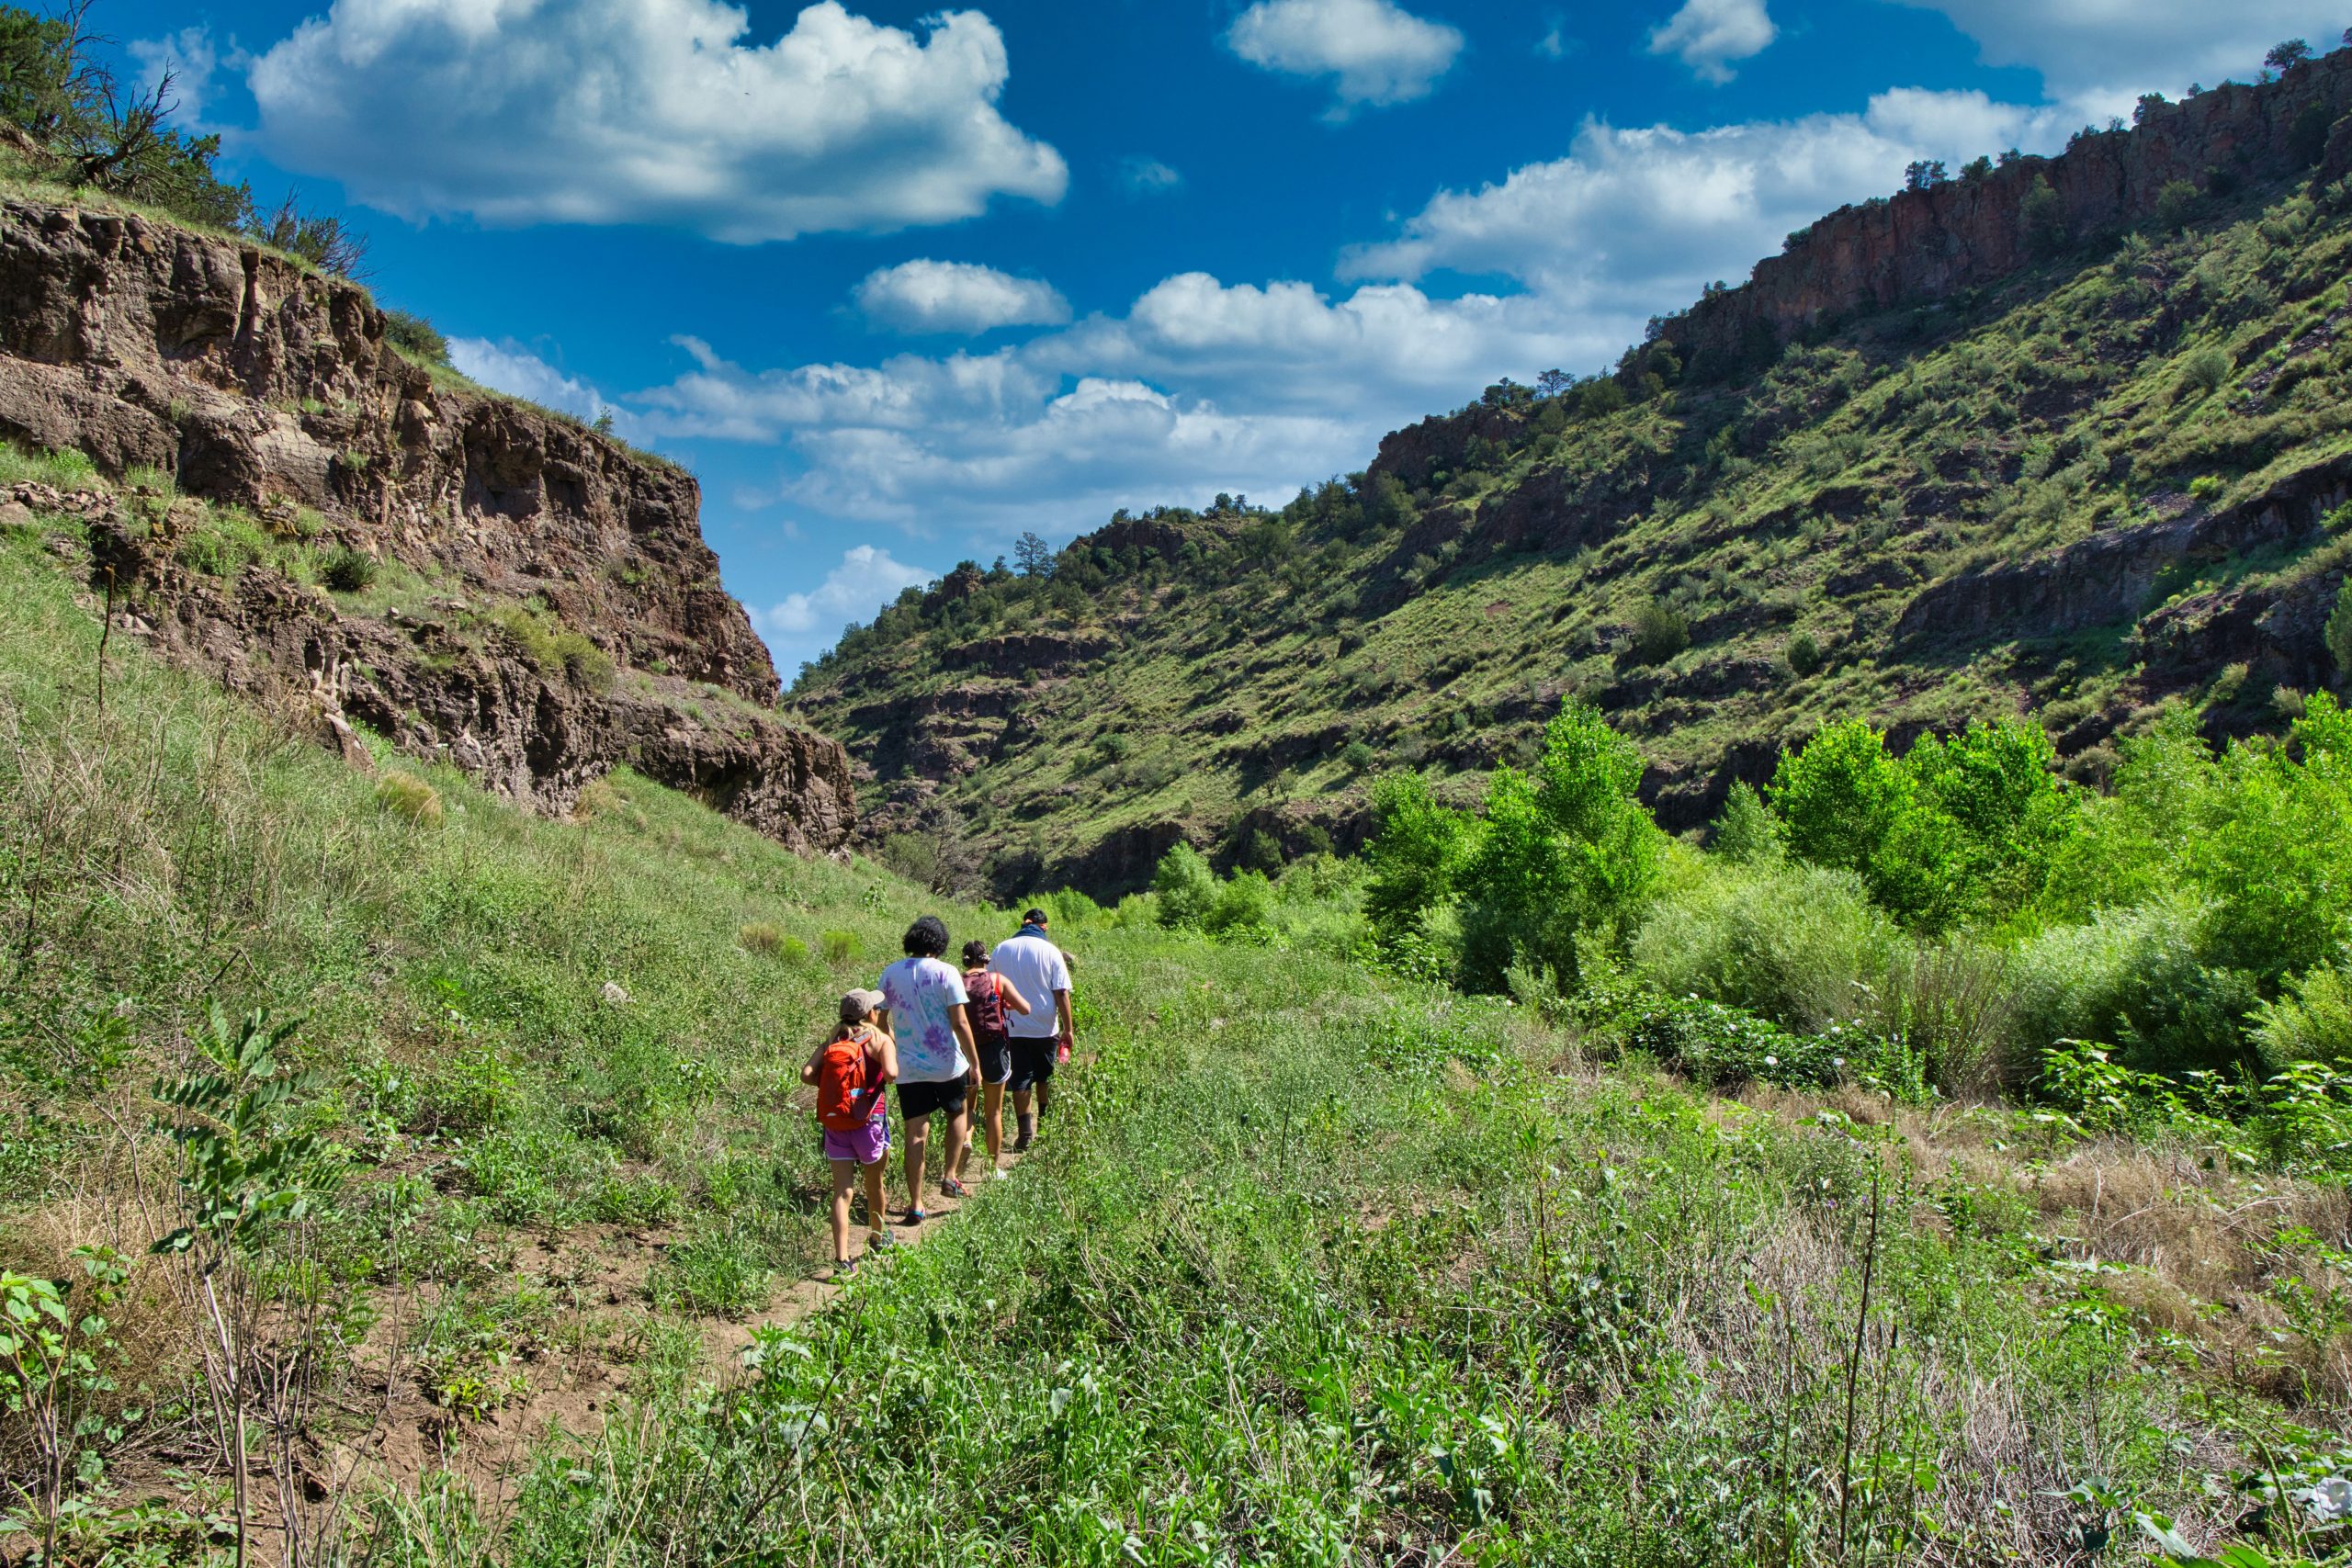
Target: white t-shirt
(1037,970)
(919,991)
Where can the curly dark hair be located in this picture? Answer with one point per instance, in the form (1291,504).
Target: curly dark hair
(927,938)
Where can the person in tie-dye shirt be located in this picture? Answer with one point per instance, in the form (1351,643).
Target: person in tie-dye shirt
(925,1000)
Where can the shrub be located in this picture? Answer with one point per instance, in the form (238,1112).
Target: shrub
(410,798)
(1799,944)
(2138,979)
(1661,631)
(1746,832)
(1966,827)
(1567,853)
(760,939)
(842,947)
(1804,656)
(1115,747)
(348,570)
(1184,887)
(2312,1023)
(2339,629)
(417,337)
(1724,1048)
(1357,756)
(2042,214)
(2204,372)
(2176,204)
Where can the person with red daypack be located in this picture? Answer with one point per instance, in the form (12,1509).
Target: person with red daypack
(851,1071)
(992,999)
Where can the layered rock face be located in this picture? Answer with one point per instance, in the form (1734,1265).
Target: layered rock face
(244,381)
(1926,246)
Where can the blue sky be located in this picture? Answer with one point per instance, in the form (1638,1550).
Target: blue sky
(899,283)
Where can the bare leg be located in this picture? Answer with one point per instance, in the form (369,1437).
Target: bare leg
(877,1213)
(971,1103)
(917,1143)
(844,1179)
(993,1121)
(959,1138)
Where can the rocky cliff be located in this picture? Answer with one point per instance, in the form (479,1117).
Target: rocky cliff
(1926,246)
(539,605)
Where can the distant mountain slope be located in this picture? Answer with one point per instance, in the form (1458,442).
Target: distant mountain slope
(2068,430)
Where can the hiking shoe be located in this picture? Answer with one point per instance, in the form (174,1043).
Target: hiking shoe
(881,1241)
(1021,1142)
(913,1217)
(951,1188)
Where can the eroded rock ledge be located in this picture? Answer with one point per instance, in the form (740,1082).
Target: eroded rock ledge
(247,382)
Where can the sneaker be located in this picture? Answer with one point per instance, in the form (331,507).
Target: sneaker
(845,1266)
(999,1175)
(882,1241)
(1021,1140)
(951,1188)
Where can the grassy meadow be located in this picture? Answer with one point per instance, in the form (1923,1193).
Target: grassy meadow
(1316,1264)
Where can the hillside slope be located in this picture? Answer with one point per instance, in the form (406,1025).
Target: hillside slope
(313,517)
(2070,431)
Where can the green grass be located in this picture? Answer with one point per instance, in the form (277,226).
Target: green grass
(1310,1267)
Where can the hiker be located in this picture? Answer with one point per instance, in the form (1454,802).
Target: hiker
(925,1000)
(992,999)
(1041,1035)
(852,1072)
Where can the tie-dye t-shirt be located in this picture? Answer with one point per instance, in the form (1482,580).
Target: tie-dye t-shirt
(919,991)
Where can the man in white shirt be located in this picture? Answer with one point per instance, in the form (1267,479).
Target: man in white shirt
(925,1000)
(1038,969)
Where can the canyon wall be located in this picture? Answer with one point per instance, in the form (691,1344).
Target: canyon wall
(193,367)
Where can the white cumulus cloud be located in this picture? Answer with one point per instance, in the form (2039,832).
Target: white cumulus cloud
(1708,35)
(508,366)
(1139,175)
(649,112)
(868,578)
(2101,54)
(1635,220)
(957,297)
(1377,52)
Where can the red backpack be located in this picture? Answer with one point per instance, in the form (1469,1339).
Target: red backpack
(990,1025)
(845,1096)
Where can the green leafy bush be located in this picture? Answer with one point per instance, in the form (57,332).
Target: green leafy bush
(1568,855)
(348,570)
(1661,631)
(2312,1023)
(1799,944)
(842,947)
(2205,371)
(1804,656)
(417,337)
(1956,830)
(1185,888)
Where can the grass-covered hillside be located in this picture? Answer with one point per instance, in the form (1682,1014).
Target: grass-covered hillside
(2111,479)
(1315,1264)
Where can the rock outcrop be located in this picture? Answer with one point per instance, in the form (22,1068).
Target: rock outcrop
(1929,244)
(183,363)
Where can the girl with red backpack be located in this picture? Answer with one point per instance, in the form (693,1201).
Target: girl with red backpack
(992,1000)
(850,1071)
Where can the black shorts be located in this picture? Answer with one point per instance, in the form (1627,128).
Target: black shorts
(1033,1061)
(917,1101)
(996,1060)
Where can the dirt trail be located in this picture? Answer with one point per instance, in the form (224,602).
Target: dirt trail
(577,1381)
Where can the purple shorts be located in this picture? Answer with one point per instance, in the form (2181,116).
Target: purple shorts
(866,1145)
